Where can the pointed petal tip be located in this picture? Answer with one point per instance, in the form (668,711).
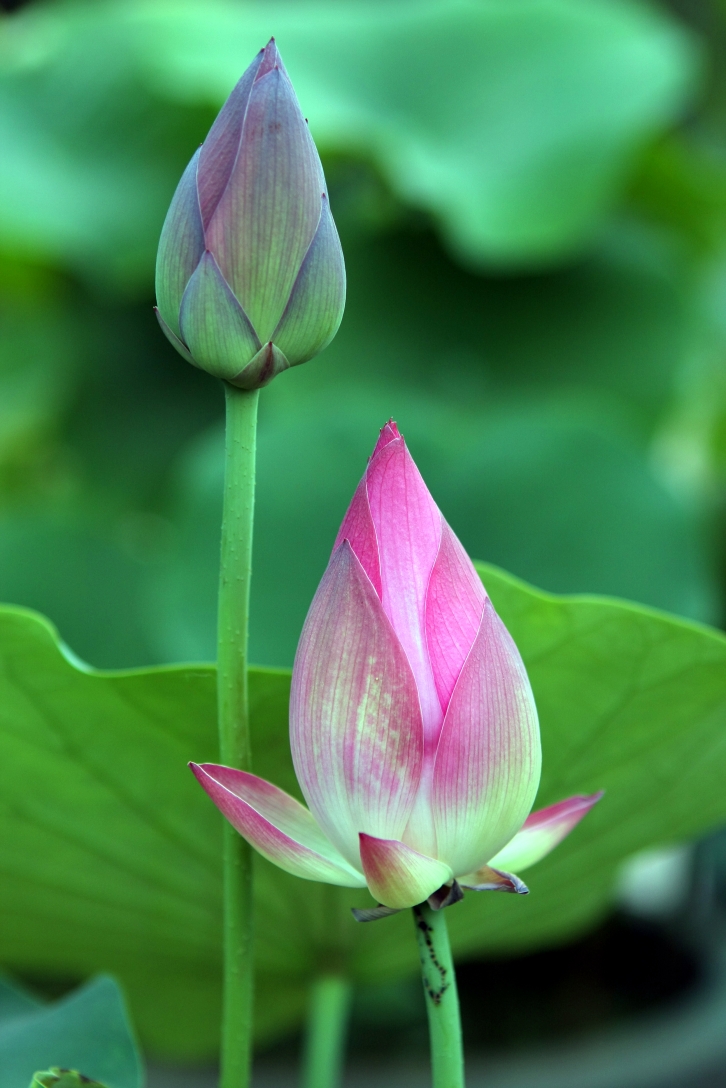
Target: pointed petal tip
(388,433)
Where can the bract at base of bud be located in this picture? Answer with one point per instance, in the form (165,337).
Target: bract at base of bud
(215,328)
(266,365)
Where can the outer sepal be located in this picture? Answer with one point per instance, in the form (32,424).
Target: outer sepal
(488,879)
(399,876)
(262,368)
(213,325)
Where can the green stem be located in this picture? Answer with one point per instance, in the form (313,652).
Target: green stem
(234,734)
(442,999)
(327,1029)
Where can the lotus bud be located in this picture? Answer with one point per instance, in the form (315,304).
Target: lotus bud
(250,276)
(413,726)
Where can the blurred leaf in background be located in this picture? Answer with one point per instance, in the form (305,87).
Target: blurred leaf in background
(534,401)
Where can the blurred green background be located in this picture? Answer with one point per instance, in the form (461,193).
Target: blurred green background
(532,200)
(531,196)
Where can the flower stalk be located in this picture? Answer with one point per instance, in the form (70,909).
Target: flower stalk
(442,999)
(327,1031)
(234,733)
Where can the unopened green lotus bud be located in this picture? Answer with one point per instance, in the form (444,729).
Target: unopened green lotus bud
(250,276)
(63,1078)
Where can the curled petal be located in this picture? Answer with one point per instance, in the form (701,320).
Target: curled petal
(355,722)
(399,876)
(487,879)
(214,325)
(268,213)
(488,760)
(315,308)
(277,825)
(181,247)
(454,607)
(544,830)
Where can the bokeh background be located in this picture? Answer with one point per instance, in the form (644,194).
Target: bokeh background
(531,196)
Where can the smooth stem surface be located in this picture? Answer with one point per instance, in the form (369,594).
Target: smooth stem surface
(234,735)
(327,1032)
(442,999)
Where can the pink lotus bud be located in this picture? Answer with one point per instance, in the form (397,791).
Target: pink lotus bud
(250,277)
(413,727)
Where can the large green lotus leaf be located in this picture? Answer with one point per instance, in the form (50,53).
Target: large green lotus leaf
(88,1031)
(513,124)
(109,851)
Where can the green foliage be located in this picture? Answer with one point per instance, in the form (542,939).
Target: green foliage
(87,1030)
(517,138)
(112,858)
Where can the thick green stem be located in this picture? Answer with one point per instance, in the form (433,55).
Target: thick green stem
(327,1031)
(234,734)
(442,999)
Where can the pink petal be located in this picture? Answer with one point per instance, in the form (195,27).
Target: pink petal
(543,831)
(270,209)
(358,530)
(454,608)
(488,760)
(277,825)
(399,876)
(355,722)
(408,526)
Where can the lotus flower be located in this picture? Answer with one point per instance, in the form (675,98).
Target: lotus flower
(413,727)
(250,276)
